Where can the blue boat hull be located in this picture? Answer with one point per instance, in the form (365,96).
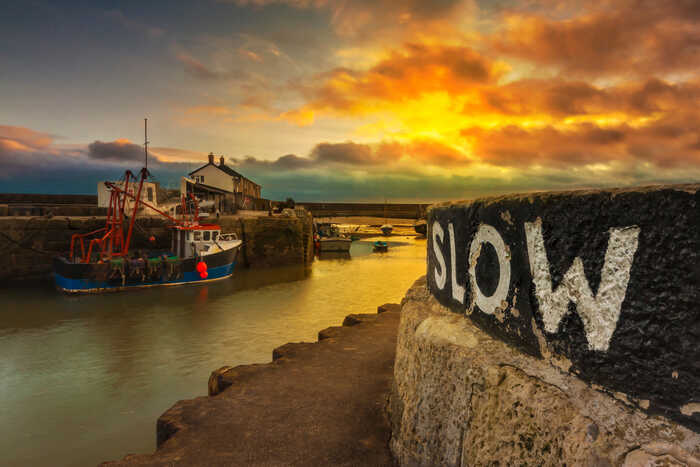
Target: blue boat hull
(90,278)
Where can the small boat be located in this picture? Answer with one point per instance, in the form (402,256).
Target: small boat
(328,238)
(380,246)
(421,227)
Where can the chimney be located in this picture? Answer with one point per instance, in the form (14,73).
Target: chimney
(211,157)
(221,161)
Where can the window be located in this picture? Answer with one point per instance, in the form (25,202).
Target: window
(198,236)
(201,179)
(206,235)
(215,235)
(187,236)
(149,193)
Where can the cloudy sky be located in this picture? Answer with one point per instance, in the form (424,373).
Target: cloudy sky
(353,99)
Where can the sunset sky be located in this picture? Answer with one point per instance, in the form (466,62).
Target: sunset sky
(353,99)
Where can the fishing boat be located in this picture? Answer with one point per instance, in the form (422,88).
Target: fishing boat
(103,260)
(329,238)
(380,246)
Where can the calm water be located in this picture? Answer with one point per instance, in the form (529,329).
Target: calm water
(83,379)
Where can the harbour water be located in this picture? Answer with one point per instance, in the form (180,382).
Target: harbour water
(84,378)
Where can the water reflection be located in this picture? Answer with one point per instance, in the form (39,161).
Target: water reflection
(326,255)
(84,378)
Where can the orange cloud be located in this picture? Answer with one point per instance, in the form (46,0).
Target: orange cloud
(405,74)
(25,136)
(671,142)
(627,37)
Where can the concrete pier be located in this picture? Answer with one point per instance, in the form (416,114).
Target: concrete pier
(321,403)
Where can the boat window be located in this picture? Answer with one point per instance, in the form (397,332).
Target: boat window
(197,236)
(206,235)
(215,235)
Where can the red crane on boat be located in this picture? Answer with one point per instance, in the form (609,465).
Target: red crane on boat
(113,242)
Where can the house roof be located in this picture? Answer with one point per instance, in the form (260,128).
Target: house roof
(226,169)
(207,187)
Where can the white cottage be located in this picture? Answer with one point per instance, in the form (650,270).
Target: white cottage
(225,178)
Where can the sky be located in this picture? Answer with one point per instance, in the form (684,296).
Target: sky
(352,100)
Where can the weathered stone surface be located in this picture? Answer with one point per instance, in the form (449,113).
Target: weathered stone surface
(354,319)
(608,282)
(388,307)
(316,404)
(462,397)
(332,332)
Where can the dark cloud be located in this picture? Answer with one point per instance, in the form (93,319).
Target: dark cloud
(120,150)
(287,162)
(345,153)
(383,156)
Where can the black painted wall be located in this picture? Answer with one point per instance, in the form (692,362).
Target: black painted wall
(654,351)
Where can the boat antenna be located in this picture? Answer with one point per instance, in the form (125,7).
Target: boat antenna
(145,140)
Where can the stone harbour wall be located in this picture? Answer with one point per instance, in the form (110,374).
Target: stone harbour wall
(389,210)
(463,397)
(554,325)
(28,244)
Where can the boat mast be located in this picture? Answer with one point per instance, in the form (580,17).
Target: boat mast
(145,140)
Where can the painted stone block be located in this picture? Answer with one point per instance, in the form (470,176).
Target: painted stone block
(606,283)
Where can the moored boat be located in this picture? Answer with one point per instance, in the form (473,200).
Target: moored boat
(198,252)
(330,239)
(386,229)
(380,246)
(193,260)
